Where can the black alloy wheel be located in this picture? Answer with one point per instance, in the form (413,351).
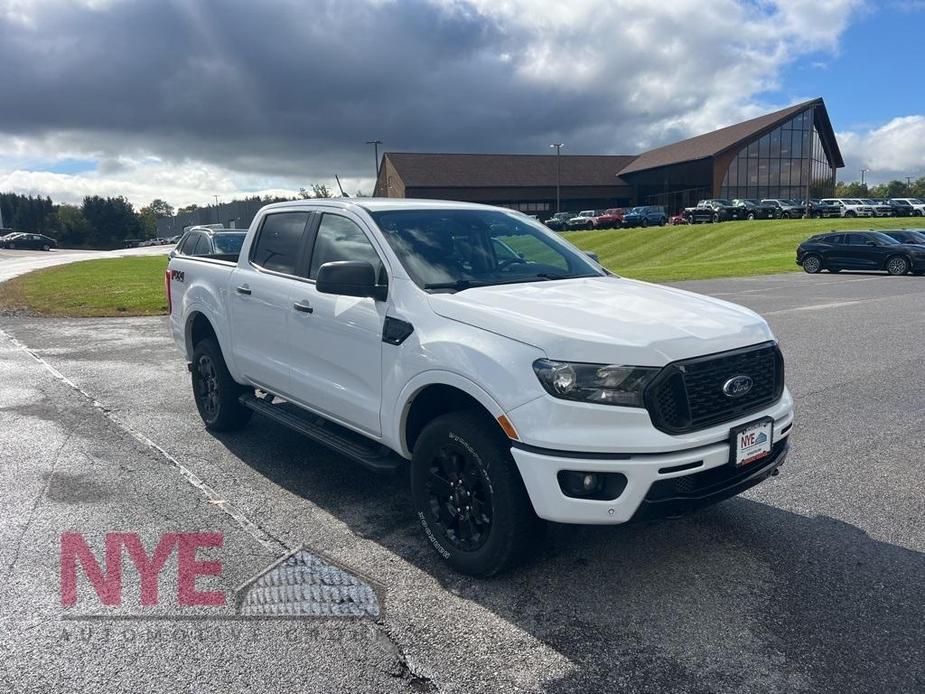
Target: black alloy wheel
(207,390)
(216,393)
(460,500)
(469,497)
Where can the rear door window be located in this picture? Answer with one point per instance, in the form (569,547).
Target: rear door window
(279,243)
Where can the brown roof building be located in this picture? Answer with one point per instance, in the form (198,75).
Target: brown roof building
(786,154)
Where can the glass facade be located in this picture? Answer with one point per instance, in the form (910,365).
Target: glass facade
(781,163)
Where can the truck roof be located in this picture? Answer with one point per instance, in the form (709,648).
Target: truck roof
(380,204)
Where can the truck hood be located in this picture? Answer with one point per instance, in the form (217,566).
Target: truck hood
(606,320)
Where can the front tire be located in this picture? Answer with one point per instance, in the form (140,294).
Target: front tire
(215,391)
(812,264)
(469,496)
(645,222)
(849,213)
(897,265)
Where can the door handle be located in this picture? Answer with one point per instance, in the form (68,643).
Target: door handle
(243,289)
(303,307)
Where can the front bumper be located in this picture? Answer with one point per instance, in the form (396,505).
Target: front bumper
(645,473)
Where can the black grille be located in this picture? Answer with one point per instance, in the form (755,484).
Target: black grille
(688,395)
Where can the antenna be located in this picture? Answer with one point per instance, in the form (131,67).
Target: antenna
(342,193)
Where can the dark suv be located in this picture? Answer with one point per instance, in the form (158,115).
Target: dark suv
(860,250)
(785,208)
(752,209)
(645,216)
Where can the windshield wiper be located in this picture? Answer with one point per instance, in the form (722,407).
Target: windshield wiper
(458,285)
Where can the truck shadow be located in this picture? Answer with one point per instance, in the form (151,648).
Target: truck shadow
(742,596)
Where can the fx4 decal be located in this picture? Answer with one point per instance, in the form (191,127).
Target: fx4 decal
(177,275)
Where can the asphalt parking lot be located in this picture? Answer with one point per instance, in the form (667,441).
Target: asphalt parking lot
(811,582)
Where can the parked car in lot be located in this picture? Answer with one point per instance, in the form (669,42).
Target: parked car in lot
(896,209)
(850,207)
(880,209)
(645,216)
(860,250)
(723,210)
(28,241)
(753,209)
(698,215)
(518,385)
(785,208)
(611,218)
(917,205)
(207,241)
(559,221)
(821,210)
(916,237)
(583,220)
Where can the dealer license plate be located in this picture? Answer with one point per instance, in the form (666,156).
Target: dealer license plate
(752,441)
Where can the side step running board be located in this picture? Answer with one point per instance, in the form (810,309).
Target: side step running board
(369,454)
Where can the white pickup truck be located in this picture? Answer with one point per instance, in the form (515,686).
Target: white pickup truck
(523,381)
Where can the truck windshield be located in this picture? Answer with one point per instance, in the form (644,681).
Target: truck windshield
(458,249)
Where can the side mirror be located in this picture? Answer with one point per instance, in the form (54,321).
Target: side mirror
(594,256)
(350,278)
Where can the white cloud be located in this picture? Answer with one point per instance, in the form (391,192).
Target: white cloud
(892,151)
(217,116)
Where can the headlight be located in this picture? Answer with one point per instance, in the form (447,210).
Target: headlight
(605,384)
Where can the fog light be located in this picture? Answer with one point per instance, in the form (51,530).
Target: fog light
(579,484)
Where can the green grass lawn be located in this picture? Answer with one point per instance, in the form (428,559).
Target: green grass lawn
(110,287)
(730,249)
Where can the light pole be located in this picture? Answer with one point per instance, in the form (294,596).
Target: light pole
(863,171)
(375,144)
(558,146)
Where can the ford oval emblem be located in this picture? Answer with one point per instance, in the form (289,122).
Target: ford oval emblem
(737,386)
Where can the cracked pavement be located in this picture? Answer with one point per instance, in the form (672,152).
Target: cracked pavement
(810,582)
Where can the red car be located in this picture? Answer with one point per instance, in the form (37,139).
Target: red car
(610,219)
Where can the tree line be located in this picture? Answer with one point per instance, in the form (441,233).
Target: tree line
(893,189)
(101,222)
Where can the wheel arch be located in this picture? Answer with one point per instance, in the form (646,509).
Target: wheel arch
(435,394)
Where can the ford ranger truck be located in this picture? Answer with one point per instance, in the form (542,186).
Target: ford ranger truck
(520,380)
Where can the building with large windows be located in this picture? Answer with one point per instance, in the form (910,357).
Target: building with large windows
(789,154)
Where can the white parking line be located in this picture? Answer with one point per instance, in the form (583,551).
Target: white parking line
(817,307)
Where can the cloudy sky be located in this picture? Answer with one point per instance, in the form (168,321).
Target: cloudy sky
(185,99)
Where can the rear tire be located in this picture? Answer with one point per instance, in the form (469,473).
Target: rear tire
(850,213)
(469,496)
(812,264)
(751,216)
(897,265)
(645,222)
(215,391)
